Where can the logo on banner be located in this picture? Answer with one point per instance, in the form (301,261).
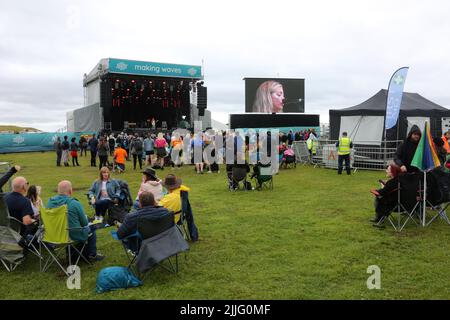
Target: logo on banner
(122,66)
(192,71)
(18,140)
(394,97)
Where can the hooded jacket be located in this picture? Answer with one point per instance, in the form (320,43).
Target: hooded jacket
(77,217)
(406,150)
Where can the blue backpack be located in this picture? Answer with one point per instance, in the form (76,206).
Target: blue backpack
(114,278)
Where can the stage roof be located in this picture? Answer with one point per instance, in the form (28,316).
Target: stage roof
(143,68)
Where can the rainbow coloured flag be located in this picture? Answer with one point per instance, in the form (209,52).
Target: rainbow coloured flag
(426,157)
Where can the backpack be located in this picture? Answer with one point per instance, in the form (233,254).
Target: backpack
(116,213)
(138,145)
(114,278)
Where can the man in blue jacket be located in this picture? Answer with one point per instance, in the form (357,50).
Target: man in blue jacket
(148,207)
(77,219)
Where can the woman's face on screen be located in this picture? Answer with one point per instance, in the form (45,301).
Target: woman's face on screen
(278,99)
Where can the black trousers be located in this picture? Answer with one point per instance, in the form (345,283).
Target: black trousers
(139,158)
(58,158)
(75,161)
(341,159)
(93,158)
(103,161)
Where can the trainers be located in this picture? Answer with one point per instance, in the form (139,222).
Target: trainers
(97,257)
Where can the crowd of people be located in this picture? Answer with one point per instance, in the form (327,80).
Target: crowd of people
(155,149)
(155,196)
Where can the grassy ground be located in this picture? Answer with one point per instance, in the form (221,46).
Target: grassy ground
(309,238)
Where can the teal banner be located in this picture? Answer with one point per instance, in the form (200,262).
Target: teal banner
(154,69)
(282,129)
(27,142)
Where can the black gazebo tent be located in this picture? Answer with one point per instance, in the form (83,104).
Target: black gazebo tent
(413,105)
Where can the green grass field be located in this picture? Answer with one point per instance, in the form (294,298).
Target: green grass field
(309,238)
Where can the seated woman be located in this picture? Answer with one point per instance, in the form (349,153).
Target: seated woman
(150,183)
(103,193)
(34,195)
(393,171)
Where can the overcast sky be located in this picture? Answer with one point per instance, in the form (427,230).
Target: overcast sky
(345,50)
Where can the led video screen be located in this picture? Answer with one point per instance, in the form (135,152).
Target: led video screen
(275,95)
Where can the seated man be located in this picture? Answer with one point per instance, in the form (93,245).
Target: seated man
(147,207)
(172,200)
(19,206)
(77,219)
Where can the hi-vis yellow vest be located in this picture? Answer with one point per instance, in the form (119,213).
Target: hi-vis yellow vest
(344,146)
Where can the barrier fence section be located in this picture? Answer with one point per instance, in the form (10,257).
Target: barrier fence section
(364,154)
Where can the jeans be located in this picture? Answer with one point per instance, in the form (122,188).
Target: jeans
(101,206)
(103,161)
(91,247)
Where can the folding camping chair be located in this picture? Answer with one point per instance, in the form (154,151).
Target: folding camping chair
(407,203)
(238,179)
(264,177)
(56,240)
(12,232)
(156,240)
(11,252)
(438,194)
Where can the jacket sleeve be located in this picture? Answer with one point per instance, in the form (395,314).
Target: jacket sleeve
(127,227)
(92,191)
(78,208)
(5,178)
(115,189)
(399,155)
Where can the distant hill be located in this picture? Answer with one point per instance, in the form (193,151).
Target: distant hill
(7,128)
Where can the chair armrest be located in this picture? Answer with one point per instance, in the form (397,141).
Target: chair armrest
(115,236)
(15,220)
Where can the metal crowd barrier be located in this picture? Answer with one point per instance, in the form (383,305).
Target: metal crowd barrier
(364,154)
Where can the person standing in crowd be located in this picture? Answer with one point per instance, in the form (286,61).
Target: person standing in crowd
(177,145)
(120,156)
(198,144)
(112,143)
(74,152)
(93,145)
(344,145)
(65,151)
(83,146)
(149,147)
(406,150)
(161,145)
(312,143)
(445,139)
(78,222)
(137,147)
(103,151)
(58,149)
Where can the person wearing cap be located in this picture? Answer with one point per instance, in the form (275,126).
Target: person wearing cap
(172,200)
(150,183)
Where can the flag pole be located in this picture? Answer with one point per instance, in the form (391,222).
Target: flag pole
(424,197)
